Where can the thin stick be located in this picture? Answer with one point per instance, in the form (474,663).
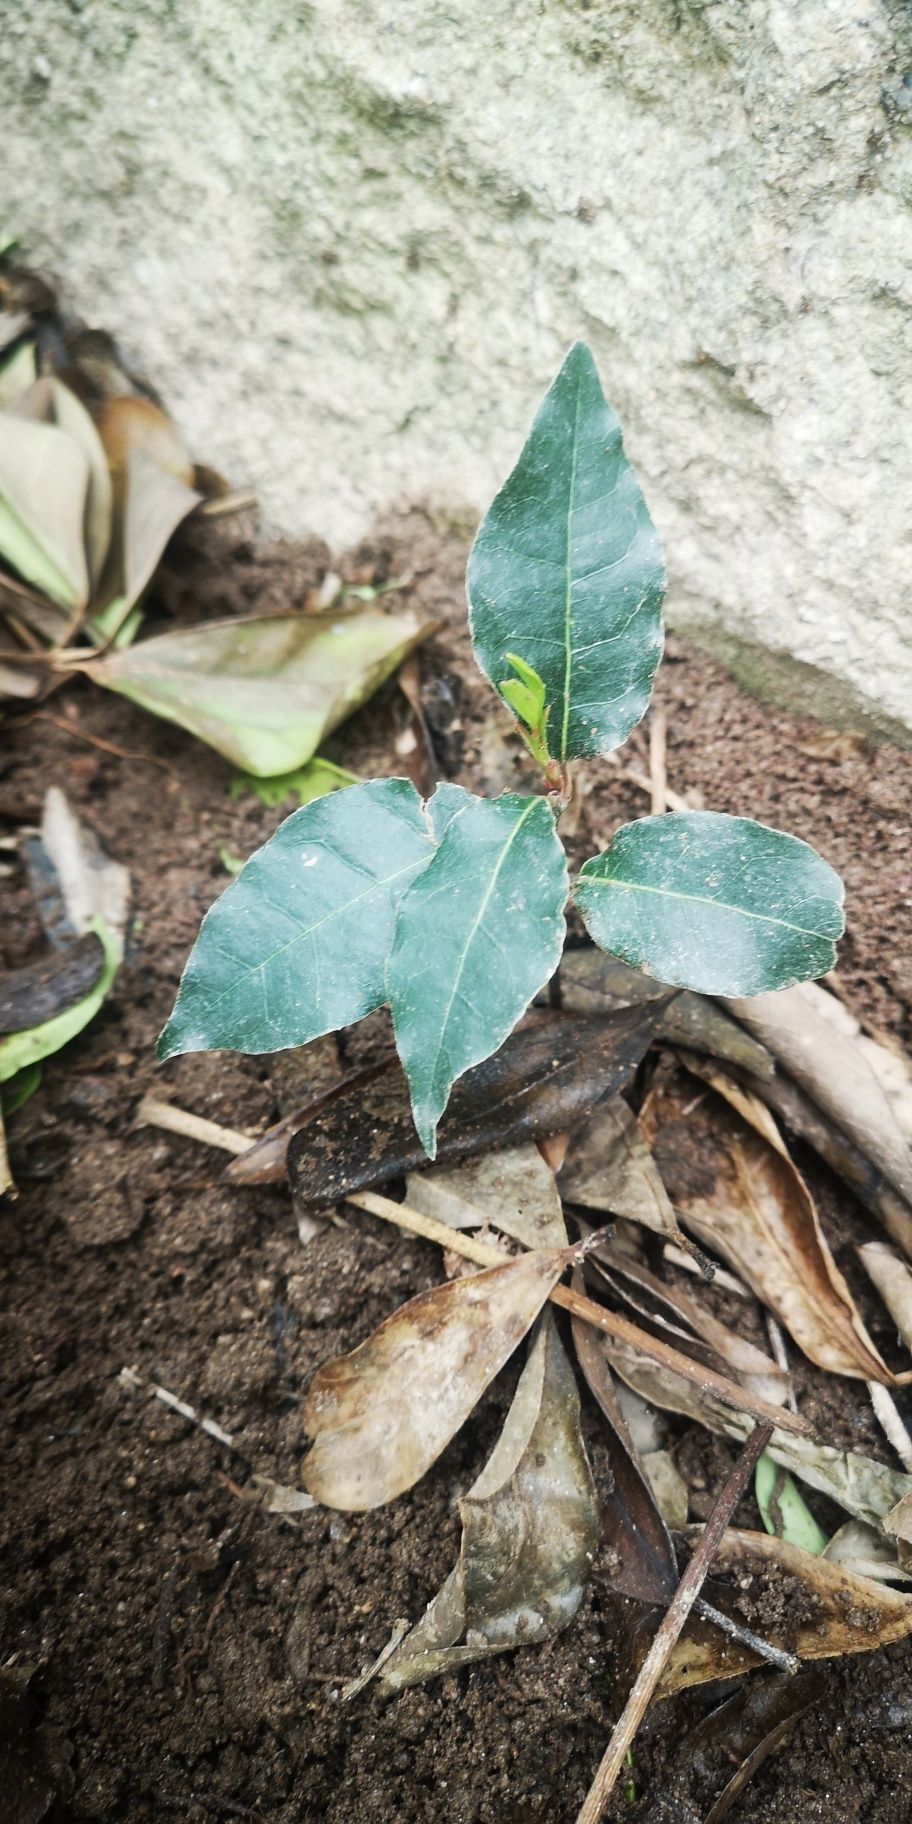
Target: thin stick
(780,1356)
(152,1113)
(658,774)
(598,1315)
(7,1182)
(786,1662)
(105,747)
(674,801)
(671,1628)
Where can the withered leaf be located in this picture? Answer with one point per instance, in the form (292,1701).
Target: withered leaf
(44,988)
(836,1074)
(609,1168)
(547,1077)
(734,1185)
(530,1526)
(513,1191)
(745,1729)
(382,1415)
(868,1552)
(833,1613)
(592,982)
(893,1280)
(898,1525)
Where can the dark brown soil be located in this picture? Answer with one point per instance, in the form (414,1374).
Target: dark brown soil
(193,1648)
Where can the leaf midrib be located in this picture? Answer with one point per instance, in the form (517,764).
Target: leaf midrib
(700,899)
(568,597)
(473,930)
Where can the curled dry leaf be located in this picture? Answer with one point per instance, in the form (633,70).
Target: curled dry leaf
(530,1526)
(264,690)
(592,982)
(833,1612)
(893,1280)
(609,1168)
(867,1552)
(890,1065)
(382,1415)
(898,1525)
(734,1185)
(835,1073)
(548,1076)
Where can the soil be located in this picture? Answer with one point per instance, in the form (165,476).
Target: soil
(191,1647)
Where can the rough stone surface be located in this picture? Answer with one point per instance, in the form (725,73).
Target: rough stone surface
(352,239)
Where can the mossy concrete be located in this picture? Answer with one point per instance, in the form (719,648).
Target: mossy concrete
(351,240)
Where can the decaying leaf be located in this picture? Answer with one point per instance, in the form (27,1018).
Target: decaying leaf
(263,691)
(734,1185)
(530,1526)
(513,1191)
(78,882)
(893,1280)
(898,1524)
(39,990)
(833,1613)
(19,1050)
(44,480)
(741,1732)
(35,1772)
(150,504)
(382,1415)
(546,1078)
(609,1168)
(592,982)
(867,1552)
(836,1074)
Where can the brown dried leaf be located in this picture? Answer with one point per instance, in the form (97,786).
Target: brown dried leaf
(42,989)
(836,1074)
(834,1613)
(609,1168)
(530,1526)
(592,982)
(898,1525)
(867,1552)
(734,1185)
(547,1077)
(382,1415)
(741,1732)
(514,1191)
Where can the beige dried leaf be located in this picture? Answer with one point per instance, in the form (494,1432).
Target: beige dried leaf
(513,1190)
(610,1168)
(530,1525)
(734,1185)
(893,1280)
(381,1416)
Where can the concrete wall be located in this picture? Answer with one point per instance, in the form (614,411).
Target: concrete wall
(350,241)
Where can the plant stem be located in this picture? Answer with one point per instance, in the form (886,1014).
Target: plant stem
(671,1628)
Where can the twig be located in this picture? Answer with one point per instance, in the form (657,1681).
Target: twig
(106,747)
(152,1113)
(891,1424)
(7,1181)
(598,1315)
(674,801)
(658,774)
(273,1496)
(671,1627)
(777,1656)
(780,1357)
(722,1280)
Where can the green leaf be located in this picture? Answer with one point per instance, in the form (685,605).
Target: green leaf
(20,1050)
(44,479)
(566,571)
(715,903)
(297,946)
(476,937)
(20,1088)
(783,1510)
(306,783)
(265,690)
(525,693)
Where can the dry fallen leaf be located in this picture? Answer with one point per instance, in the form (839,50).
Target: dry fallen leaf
(734,1185)
(514,1191)
(893,1280)
(898,1525)
(609,1168)
(530,1526)
(832,1613)
(836,1074)
(382,1415)
(593,982)
(867,1552)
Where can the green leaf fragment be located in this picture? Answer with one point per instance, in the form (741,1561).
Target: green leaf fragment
(305,783)
(20,1050)
(714,903)
(566,571)
(783,1510)
(476,936)
(20,1088)
(298,944)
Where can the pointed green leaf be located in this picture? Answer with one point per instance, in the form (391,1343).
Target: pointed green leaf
(477,935)
(297,946)
(720,904)
(567,571)
(264,690)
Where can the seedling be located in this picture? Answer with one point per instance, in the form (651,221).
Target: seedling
(452,912)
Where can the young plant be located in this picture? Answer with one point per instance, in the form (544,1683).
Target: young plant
(452,912)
